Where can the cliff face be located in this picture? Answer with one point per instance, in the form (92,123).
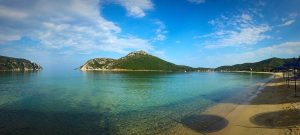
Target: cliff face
(139,60)
(17,64)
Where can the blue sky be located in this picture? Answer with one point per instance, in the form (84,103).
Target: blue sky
(198,33)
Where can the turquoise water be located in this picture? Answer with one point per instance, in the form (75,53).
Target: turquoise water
(75,102)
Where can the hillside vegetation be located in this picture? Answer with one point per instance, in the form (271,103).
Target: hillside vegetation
(139,60)
(17,64)
(264,65)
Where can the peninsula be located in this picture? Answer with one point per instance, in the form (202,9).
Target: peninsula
(17,64)
(135,61)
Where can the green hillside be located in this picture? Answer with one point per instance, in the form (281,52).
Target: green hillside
(17,64)
(143,61)
(139,60)
(265,65)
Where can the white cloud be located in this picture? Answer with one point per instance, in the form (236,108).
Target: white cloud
(136,8)
(292,15)
(196,1)
(11,13)
(73,24)
(160,37)
(246,17)
(8,37)
(244,36)
(286,48)
(237,30)
(289,19)
(160,31)
(287,23)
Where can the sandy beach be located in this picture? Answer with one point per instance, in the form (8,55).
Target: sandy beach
(272,111)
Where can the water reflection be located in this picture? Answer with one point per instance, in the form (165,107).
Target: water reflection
(120,102)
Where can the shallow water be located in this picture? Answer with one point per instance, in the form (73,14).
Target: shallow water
(76,102)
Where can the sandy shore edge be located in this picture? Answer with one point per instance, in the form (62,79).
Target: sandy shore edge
(273,110)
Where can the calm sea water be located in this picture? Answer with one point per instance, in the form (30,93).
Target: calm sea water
(76,102)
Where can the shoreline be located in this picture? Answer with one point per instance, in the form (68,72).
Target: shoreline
(132,70)
(248,72)
(272,109)
(120,70)
(19,70)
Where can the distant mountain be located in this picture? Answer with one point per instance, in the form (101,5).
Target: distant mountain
(264,65)
(142,61)
(17,64)
(139,60)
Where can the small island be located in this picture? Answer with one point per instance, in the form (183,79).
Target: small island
(17,64)
(142,61)
(136,61)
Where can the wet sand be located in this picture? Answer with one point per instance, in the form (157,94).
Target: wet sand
(272,111)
